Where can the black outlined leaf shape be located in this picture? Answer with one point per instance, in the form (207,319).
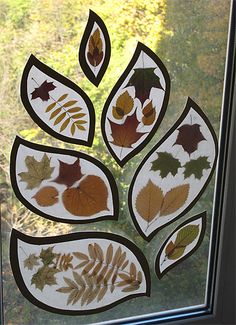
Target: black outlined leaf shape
(62,185)
(56,104)
(80,273)
(95,49)
(162,189)
(180,244)
(140,95)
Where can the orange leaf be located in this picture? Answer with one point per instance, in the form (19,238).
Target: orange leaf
(46,196)
(149,114)
(174,199)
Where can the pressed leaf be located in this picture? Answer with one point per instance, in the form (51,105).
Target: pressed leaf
(91,252)
(46,196)
(109,254)
(130,288)
(79,279)
(95,53)
(116,256)
(121,259)
(43,90)
(140,277)
(149,114)
(80,122)
(59,118)
(55,113)
(60,99)
(196,166)
(74,110)
(187,235)
(81,256)
(69,173)
(31,261)
(124,265)
(80,127)
(38,171)
(44,276)
(124,105)
(72,129)
(149,201)
(79,115)
(88,267)
(69,103)
(64,125)
(174,199)
(133,271)
(50,107)
(89,198)
(99,252)
(102,293)
(166,164)
(64,289)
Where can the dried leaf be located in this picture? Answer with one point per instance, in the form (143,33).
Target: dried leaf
(109,254)
(174,199)
(124,265)
(46,196)
(31,261)
(99,252)
(116,256)
(140,277)
(38,171)
(43,91)
(55,113)
(72,129)
(102,293)
(47,256)
(166,164)
(149,201)
(95,52)
(79,279)
(196,166)
(81,256)
(44,276)
(91,251)
(133,271)
(69,103)
(59,118)
(126,134)
(69,173)
(130,288)
(149,114)
(89,198)
(79,115)
(50,107)
(88,267)
(64,125)
(124,105)
(74,110)
(60,99)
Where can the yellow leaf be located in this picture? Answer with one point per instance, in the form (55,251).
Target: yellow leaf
(70,103)
(72,129)
(74,110)
(64,124)
(81,127)
(50,107)
(62,97)
(149,201)
(55,113)
(149,114)
(124,105)
(80,122)
(174,199)
(79,115)
(60,118)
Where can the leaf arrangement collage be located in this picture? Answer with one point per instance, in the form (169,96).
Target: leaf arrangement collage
(89,272)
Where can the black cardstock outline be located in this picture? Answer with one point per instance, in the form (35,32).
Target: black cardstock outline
(189,105)
(140,47)
(93,17)
(33,61)
(15,235)
(203,216)
(115,195)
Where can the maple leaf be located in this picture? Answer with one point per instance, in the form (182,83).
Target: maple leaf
(37,172)
(143,80)
(95,53)
(189,137)
(44,276)
(166,164)
(124,135)
(196,166)
(47,256)
(43,91)
(69,173)
(31,261)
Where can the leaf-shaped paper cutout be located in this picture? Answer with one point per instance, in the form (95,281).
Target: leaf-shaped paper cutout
(147,82)
(50,99)
(88,198)
(95,49)
(37,171)
(196,167)
(180,244)
(114,271)
(167,166)
(94,190)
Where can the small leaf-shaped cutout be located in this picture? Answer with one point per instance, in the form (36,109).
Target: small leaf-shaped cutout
(136,105)
(62,185)
(95,49)
(76,274)
(180,244)
(51,99)
(172,177)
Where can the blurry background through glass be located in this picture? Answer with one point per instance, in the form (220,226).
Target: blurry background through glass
(190,37)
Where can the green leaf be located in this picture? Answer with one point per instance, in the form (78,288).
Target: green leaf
(31,261)
(44,276)
(166,164)
(37,172)
(196,166)
(47,256)
(187,235)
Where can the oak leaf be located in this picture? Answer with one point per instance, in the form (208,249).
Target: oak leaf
(189,137)
(95,49)
(166,164)
(149,114)
(43,91)
(126,134)
(31,261)
(46,196)
(196,166)
(174,199)
(124,105)
(69,173)
(88,198)
(143,80)
(149,201)
(38,171)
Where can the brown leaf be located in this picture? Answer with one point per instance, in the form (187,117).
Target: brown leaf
(91,251)
(60,118)
(102,293)
(69,173)
(55,113)
(99,252)
(133,271)
(124,105)
(109,254)
(74,110)
(95,53)
(101,275)
(124,265)
(149,201)
(72,129)
(50,107)
(89,198)
(60,99)
(88,268)
(69,103)
(64,125)
(149,114)
(116,256)
(124,135)
(43,91)
(46,196)
(174,199)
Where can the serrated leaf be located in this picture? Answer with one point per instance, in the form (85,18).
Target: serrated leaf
(196,166)
(174,199)
(166,164)
(44,276)
(149,201)
(124,105)
(47,256)
(31,261)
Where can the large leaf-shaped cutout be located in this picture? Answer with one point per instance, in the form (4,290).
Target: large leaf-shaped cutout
(95,49)
(181,243)
(62,185)
(172,177)
(56,104)
(136,105)
(80,273)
